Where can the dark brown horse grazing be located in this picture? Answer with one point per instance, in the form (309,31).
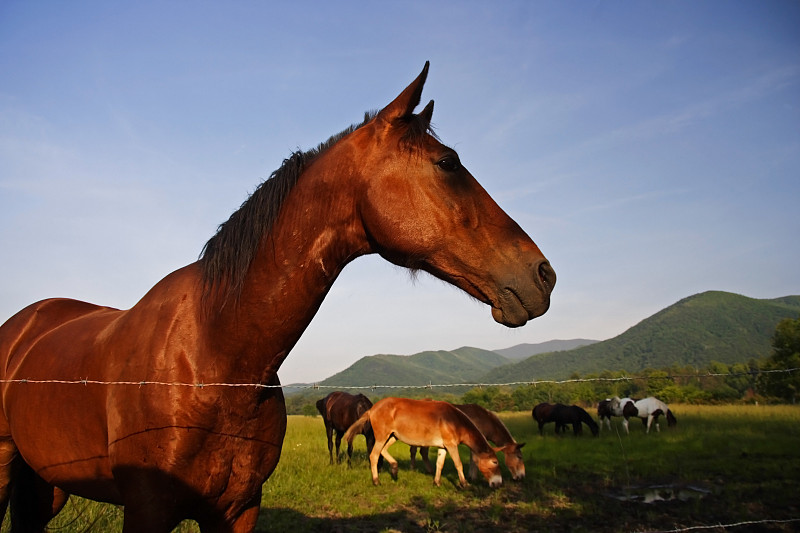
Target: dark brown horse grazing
(427,423)
(564,415)
(339,411)
(173,408)
(495,432)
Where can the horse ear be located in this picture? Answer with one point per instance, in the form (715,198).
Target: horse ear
(427,113)
(520,445)
(403,106)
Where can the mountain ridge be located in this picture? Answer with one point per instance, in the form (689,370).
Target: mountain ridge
(708,326)
(696,330)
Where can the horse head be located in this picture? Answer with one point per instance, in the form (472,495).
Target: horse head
(490,467)
(671,420)
(422,209)
(514,462)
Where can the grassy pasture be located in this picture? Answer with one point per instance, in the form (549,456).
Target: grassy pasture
(745,461)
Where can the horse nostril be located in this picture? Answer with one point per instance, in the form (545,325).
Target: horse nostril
(547,277)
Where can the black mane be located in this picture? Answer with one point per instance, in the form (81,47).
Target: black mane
(226,257)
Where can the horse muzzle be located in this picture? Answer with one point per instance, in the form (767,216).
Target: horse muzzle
(495,481)
(523,298)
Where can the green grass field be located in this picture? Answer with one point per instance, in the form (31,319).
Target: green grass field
(733,464)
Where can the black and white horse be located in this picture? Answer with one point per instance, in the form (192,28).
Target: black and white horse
(648,409)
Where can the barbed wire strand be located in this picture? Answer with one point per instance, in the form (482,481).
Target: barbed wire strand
(142,383)
(725,526)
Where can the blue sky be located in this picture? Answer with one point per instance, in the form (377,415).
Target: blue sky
(651,149)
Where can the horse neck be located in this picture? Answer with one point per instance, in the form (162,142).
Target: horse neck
(312,240)
(495,430)
(472,437)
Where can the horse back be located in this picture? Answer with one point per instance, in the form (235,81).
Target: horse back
(23,330)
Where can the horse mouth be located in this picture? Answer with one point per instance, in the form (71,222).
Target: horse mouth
(513,311)
(520,301)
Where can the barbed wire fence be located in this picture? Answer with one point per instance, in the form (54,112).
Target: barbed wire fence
(300,386)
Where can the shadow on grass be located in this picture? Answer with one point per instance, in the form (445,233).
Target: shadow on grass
(407,521)
(582,508)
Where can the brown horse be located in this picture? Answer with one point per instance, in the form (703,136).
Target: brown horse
(173,408)
(427,423)
(564,415)
(339,411)
(495,432)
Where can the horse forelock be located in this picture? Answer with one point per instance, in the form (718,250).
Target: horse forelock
(416,131)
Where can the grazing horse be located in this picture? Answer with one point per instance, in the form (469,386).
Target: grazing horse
(564,415)
(427,423)
(495,432)
(604,412)
(339,411)
(173,408)
(648,409)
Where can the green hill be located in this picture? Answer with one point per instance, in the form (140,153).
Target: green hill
(458,366)
(523,351)
(711,326)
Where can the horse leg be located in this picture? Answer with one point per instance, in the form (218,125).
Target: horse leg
(423,452)
(329,433)
(413,454)
(453,451)
(34,502)
(8,456)
(338,444)
(440,455)
(392,461)
(625,425)
(349,453)
(378,452)
(473,467)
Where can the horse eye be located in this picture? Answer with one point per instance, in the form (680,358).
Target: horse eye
(449,163)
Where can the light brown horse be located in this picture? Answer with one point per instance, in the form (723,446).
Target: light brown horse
(495,432)
(426,423)
(173,408)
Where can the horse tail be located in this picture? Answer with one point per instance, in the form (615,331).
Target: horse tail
(671,420)
(321,407)
(357,428)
